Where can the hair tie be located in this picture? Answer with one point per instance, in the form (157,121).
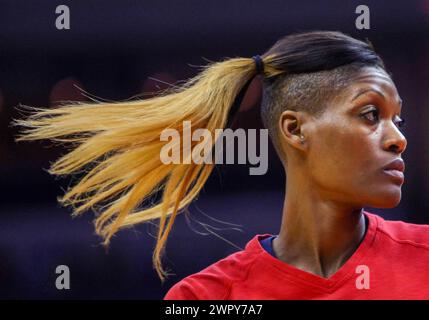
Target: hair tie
(259,64)
(239,98)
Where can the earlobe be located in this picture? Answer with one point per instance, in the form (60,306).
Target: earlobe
(290,127)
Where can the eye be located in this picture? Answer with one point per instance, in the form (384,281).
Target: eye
(374,113)
(400,123)
(374,117)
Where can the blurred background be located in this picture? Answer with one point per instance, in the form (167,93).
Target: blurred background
(118,49)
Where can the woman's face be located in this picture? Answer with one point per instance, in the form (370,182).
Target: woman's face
(357,136)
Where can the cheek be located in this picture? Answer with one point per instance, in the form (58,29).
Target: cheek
(344,162)
(341,158)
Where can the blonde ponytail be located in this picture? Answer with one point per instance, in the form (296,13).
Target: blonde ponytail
(121,142)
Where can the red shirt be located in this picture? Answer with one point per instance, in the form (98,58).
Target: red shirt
(391,262)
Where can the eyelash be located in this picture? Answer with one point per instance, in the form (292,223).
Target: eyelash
(400,123)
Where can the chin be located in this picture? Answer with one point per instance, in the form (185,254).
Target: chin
(387,200)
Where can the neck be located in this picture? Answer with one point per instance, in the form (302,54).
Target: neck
(317,235)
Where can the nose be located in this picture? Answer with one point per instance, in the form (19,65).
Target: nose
(396,141)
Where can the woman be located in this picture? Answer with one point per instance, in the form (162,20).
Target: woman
(333,114)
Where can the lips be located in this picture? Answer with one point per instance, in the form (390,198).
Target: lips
(396,169)
(397,164)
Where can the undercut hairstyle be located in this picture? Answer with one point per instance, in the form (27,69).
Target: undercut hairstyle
(117,144)
(319,66)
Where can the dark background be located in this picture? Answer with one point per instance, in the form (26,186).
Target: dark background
(114,50)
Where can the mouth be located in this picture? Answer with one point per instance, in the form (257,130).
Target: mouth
(396,175)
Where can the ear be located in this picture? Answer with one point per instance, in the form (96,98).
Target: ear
(291,128)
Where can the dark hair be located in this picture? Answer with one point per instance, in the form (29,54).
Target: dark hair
(313,67)
(320,50)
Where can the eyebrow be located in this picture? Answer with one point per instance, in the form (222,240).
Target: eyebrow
(363,91)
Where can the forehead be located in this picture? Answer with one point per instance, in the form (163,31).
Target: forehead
(371,80)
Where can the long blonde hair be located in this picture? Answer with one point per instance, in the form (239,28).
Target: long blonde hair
(120,142)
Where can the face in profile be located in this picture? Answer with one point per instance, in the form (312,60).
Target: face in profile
(355,139)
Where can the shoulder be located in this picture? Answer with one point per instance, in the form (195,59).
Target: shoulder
(215,281)
(403,232)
